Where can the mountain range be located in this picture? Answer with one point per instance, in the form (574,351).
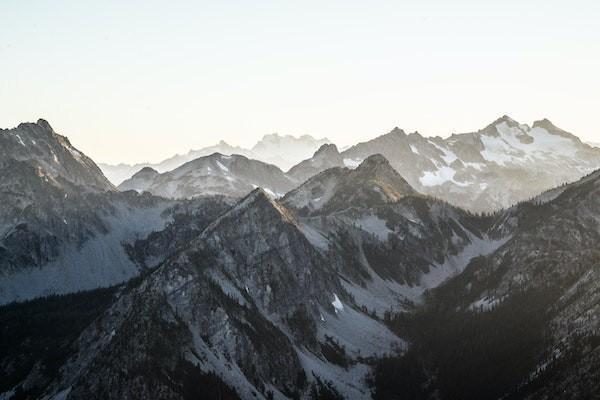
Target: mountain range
(493,168)
(269,150)
(231,175)
(342,278)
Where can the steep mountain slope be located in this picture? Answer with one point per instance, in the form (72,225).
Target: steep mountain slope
(496,167)
(523,321)
(250,301)
(373,182)
(59,244)
(353,285)
(326,157)
(390,242)
(283,151)
(42,149)
(63,226)
(269,303)
(219,174)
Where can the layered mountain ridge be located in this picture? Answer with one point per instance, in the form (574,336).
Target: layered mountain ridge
(351,284)
(216,174)
(268,150)
(63,225)
(471,170)
(373,182)
(474,170)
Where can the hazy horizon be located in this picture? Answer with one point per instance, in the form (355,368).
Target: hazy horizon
(164,79)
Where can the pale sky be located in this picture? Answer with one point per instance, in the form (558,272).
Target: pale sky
(139,81)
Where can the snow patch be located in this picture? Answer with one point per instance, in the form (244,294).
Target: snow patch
(222,167)
(20,140)
(337,304)
(440,176)
(509,147)
(352,163)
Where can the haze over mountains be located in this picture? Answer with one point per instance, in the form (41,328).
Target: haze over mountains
(281,150)
(493,168)
(232,175)
(354,274)
(496,167)
(594,144)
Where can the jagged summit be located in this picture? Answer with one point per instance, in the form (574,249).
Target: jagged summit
(488,169)
(257,208)
(147,171)
(397,131)
(547,125)
(373,162)
(328,149)
(45,124)
(52,154)
(376,170)
(505,119)
(373,182)
(327,156)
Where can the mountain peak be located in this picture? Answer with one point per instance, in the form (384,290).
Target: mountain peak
(550,127)
(397,131)
(146,171)
(257,194)
(374,160)
(505,119)
(546,124)
(257,201)
(45,125)
(327,149)
(377,168)
(374,182)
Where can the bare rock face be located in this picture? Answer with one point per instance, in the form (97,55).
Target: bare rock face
(62,224)
(249,299)
(39,146)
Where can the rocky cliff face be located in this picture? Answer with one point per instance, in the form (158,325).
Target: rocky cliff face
(51,154)
(62,224)
(251,300)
